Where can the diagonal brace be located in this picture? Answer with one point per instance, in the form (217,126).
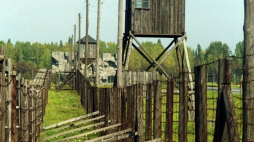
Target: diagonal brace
(162,53)
(164,58)
(151,58)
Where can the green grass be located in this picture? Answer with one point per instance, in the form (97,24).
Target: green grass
(62,105)
(214,84)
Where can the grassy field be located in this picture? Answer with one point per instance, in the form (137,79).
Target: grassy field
(62,105)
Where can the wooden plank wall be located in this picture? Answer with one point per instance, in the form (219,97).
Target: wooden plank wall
(130,104)
(163,17)
(91,51)
(21,103)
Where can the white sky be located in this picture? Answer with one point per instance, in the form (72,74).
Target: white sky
(53,20)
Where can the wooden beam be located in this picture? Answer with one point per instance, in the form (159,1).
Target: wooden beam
(71,120)
(119,137)
(162,53)
(155,140)
(103,138)
(188,63)
(151,58)
(165,57)
(75,130)
(90,132)
(79,123)
(127,59)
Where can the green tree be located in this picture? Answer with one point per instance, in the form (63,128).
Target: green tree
(61,44)
(199,55)
(216,50)
(103,48)
(238,61)
(2,43)
(9,50)
(111,48)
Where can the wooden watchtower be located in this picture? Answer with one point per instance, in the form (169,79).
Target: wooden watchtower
(92,43)
(158,19)
(155,18)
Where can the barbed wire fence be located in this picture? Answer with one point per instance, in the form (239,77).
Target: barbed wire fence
(22,102)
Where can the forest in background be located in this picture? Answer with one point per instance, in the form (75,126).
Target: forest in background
(32,56)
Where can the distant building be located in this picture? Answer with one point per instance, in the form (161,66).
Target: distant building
(92,43)
(107,66)
(60,61)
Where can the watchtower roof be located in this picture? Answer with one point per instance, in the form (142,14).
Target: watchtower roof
(90,40)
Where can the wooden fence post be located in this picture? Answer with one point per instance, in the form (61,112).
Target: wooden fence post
(107,106)
(230,115)
(129,101)
(30,109)
(157,110)
(149,98)
(248,73)
(32,93)
(2,96)
(134,102)
(183,109)
(201,103)
(111,116)
(95,100)
(140,108)
(224,78)
(169,111)
(226,123)
(8,94)
(19,103)
(14,109)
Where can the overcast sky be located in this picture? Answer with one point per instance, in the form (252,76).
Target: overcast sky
(53,20)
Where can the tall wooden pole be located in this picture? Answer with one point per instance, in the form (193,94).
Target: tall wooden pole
(248,72)
(120,45)
(74,44)
(71,48)
(75,59)
(98,42)
(87,25)
(79,34)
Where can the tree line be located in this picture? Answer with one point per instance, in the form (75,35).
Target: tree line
(32,56)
